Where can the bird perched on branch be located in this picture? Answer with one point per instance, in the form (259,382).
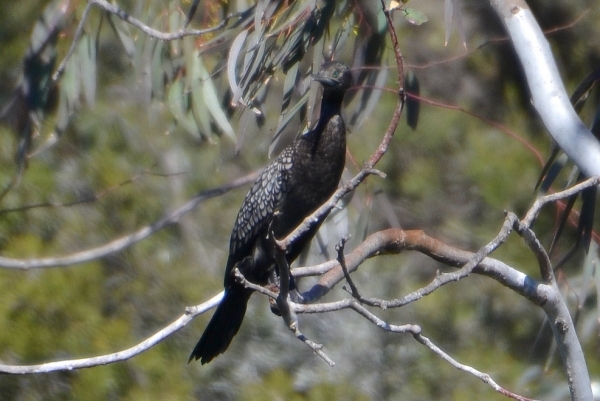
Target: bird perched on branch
(293,185)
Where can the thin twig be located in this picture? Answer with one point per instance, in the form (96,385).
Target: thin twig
(446,278)
(536,247)
(78,32)
(317,348)
(540,202)
(86,198)
(286,309)
(240,278)
(124,242)
(283,303)
(414,330)
(486,378)
(342,261)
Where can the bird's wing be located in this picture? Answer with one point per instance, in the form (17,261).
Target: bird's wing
(259,206)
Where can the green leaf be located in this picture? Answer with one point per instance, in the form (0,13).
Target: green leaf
(413,16)
(121,28)
(212,101)
(178,106)
(232,61)
(156,71)
(87,66)
(70,82)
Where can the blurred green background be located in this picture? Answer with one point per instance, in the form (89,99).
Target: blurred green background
(124,160)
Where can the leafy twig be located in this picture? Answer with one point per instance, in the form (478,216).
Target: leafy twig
(151,32)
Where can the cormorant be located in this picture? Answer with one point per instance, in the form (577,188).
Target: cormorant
(295,184)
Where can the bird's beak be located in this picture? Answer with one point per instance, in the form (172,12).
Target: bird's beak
(326,81)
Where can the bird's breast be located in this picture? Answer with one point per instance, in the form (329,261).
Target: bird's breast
(317,167)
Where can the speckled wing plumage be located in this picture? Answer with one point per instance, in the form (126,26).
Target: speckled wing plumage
(249,252)
(256,212)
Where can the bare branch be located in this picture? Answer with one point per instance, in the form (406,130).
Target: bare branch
(414,330)
(486,378)
(78,32)
(287,312)
(536,247)
(540,202)
(69,365)
(124,242)
(317,348)
(393,241)
(258,288)
(327,206)
(389,133)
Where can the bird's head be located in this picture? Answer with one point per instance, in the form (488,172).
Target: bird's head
(334,75)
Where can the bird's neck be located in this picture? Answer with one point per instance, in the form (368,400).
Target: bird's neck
(320,137)
(331,103)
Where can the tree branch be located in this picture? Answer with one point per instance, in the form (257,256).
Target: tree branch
(393,241)
(384,242)
(547,90)
(351,303)
(125,242)
(540,202)
(288,314)
(486,378)
(69,365)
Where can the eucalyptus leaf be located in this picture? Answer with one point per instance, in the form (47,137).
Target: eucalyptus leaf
(369,99)
(157,70)
(121,28)
(177,102)
(192,12)
(199,106)
(87,68)
(288,87)
(70,82)
(415,17)
(232,61)
(448,11)
(212,101)
(286,118)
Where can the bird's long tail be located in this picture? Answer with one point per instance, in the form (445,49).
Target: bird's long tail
(224,324)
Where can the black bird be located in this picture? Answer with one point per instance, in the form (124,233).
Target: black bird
(293,185)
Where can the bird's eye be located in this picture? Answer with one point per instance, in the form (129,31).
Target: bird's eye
(336,74)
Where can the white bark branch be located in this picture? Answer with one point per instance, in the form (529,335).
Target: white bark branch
(68,365)
(554,107)
(547,90)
